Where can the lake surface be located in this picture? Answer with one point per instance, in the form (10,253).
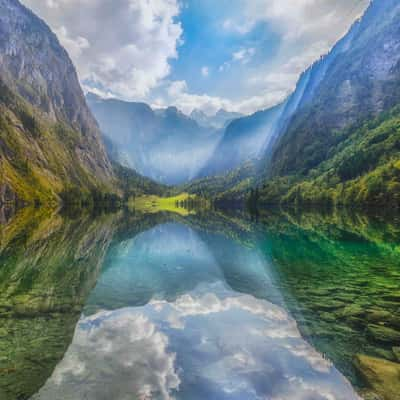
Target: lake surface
(207,306)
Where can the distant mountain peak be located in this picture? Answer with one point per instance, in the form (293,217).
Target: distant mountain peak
(163,144)
(218,120)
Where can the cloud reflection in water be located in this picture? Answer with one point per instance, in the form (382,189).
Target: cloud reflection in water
(210,343)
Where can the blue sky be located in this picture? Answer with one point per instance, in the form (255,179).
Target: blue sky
(207,46)
(241,55)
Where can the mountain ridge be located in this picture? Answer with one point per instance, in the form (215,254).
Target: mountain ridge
(243,140)
(49,138)
(219,120)
(349,84)
(351,92)
(165,144)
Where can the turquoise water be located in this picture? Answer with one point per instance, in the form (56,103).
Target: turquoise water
(211,306)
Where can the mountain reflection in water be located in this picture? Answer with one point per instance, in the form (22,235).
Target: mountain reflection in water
(209,306)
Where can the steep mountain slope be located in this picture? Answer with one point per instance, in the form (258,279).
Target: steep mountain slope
(48,136)
(362,169)
(358,79)
(337,139)
(244,139)
(228,188)
(217,121)
(164,145)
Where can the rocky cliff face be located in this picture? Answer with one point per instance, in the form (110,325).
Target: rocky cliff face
(243,139)
(359,78)
(34,66)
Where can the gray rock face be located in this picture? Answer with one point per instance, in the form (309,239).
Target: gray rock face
(359,78)
(36,66)
(244,139)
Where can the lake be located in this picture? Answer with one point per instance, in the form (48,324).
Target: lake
(209,305)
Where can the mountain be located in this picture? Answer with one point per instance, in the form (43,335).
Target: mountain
(337,141)
(49,140)
(217,121)
(164,145)
(244,139)
(357,80)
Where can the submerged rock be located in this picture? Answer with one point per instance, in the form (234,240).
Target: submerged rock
(396,352)
(353,310)
(378,315)
(382,333)
(382,376)
(328,305)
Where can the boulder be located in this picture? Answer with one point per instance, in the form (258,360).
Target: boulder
(396,352)
(381,333)
(382,376)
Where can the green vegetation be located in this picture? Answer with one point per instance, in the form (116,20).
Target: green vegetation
(182,204)
(77,199)
(48,266)
(339,274)
(361,169)
(224,189)
(40,164)
(39,157)
(134,184)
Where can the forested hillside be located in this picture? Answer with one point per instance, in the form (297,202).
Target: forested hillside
(361,168)
(341,144)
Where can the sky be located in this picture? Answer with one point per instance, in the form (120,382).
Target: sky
(240,55)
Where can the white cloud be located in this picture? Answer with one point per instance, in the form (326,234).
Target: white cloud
(129,55)
(281,81)
(176,88)
(75,46)
(205,71)
(230,25)
(305,18)
(180,96)
(244,55)
(116,355)
(267,348)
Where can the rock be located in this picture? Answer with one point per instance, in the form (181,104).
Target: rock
(382,376)
(326,316)
(328,305)
(378,315)
(6,194)
(382,333)
(35,66)
(369,395)
(356,322)
(393,296)
(353,311)
(396,352)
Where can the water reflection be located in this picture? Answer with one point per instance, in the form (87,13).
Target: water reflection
(208,306)
(210,343)
(174,315)
(48,266)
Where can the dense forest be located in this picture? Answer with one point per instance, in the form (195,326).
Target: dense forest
(361,168)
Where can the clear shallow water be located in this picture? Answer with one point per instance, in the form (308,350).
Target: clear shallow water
(204,307)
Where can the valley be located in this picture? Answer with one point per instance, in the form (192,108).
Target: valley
(199,202)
